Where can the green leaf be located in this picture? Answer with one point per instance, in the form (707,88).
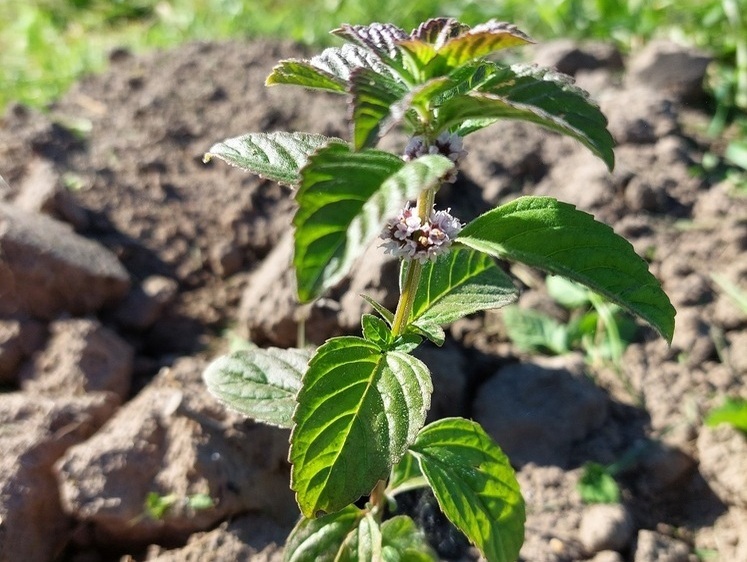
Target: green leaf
(373,97)
(259,383)
(275,156)
(376,331)
(329,70)
(557,237)
(380,39)
(568,294)
(481,41)
(320,540)
(597,485)
(474,484)
(434,53)
(385,313)
(363,544)
(404,542)
(405,476)
(733,411)
(343,200)
(358,410)
(531,330)
(537,95)
(296,72)
(462,282)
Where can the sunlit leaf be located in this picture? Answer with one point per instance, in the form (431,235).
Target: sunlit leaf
(460,283)
(404,542)
(330,70)
(320,540)
(537,95)
(363,544)
(373,97)
(358,410)
(259,383)
(275,156)
(474,485)
(343,200)
(557,237)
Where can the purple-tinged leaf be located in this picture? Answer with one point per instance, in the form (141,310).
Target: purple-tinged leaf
(437,31)
(380,38)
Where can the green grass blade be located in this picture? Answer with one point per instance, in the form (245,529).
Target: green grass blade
(343,200)
(474,484)
(358,410)
(259,383)
(545,233)
(275,156)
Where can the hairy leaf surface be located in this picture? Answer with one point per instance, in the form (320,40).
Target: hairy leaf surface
(358,410)
(460,283)
(330,70)
(474,484)
(259,383)
(343,200)
(373,97)
(557,237)
(537,95)
(320,540)
(275,156)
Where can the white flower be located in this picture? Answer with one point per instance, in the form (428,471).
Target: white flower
(406,236)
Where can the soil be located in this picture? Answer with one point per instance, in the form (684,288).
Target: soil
(129,145)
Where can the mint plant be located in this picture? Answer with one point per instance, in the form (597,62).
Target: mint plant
(357,406)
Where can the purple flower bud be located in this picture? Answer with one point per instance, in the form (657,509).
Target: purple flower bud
(447,144)
(406,236)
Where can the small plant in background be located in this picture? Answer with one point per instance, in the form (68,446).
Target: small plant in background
(733,411)
(356,406)
(600,329)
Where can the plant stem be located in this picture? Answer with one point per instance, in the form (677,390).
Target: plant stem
(412,278)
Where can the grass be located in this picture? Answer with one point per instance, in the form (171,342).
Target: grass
(46,44)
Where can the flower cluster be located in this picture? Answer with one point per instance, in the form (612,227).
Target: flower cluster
(406,236)
(447,144)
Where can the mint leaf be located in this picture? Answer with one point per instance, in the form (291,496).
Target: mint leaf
(363,543)
(373,97)
(343,200)
(320,540)
(405,476)
(275,156)
(376,331)
(329,70)
(460,283)
(358,410)
(474,484)
(534,94)
(259,383)
(545,233)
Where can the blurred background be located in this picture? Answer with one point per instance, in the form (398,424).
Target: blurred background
(47,44)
